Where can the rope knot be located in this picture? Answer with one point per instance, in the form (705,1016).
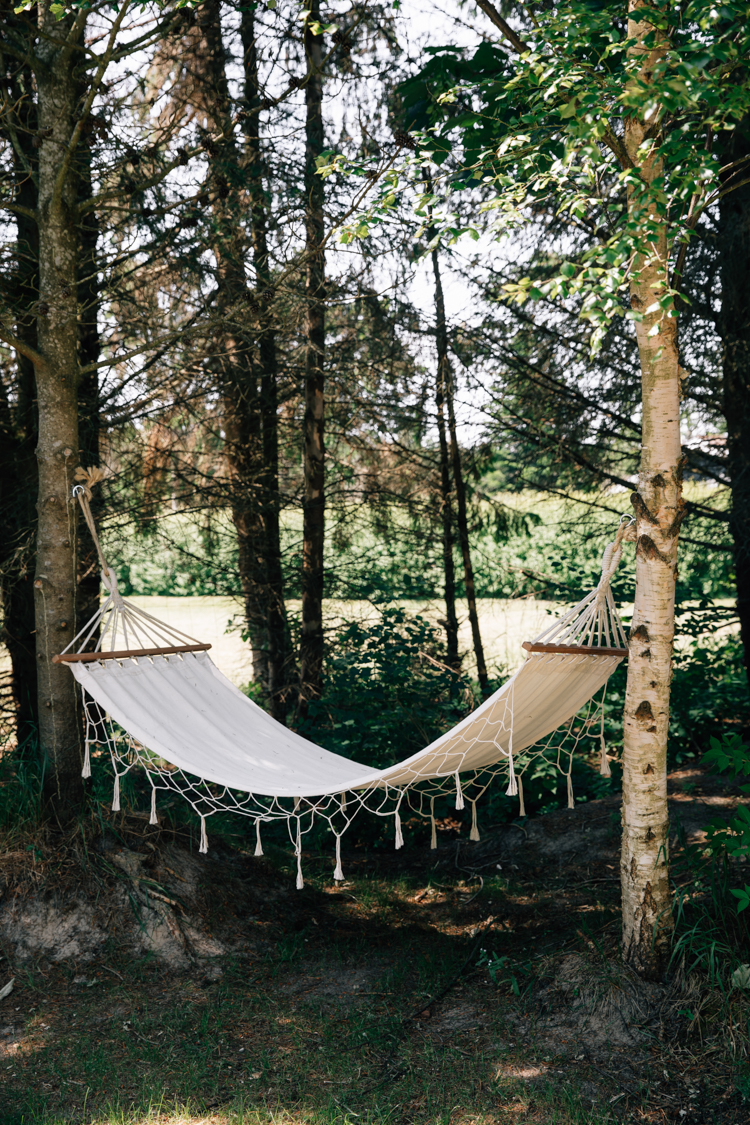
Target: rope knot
(88,478)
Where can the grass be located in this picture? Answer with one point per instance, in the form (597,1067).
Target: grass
(287,1037)
(375,1001)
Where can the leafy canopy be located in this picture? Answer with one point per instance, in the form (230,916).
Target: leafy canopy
(545,129)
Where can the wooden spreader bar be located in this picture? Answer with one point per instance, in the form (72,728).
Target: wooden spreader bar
(85,657)
(577,650)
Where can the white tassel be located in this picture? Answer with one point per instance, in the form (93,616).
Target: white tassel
(604,769)
(116,794)
(459,793)
(204,837)
(86,771)
(512,790)
(474,834)
(399,836)
(338,873)
(571,802)
(433,825)
(521,806)
(298,851)
(154,818)
(258,845)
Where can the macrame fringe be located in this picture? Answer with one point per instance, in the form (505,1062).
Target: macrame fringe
(474,834)
(512,790)
(86,771)
(571,802)
(204,837)
(399,836)
(433,825)
(459,793)
(298,850)
(338,873)
(154,818)
(116,794)
(258,846)
(604,769)
(521,806)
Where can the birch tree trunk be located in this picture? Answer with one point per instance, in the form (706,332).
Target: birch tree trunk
(646,900)
(311,640)
(57,381)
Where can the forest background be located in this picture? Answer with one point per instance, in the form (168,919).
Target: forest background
(288,418)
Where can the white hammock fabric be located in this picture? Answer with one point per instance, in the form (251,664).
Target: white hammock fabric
(176,715)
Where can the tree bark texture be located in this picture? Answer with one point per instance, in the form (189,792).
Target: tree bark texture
(279,648)
(462,519)
(18,414)
(734,328)
(658,504)
(311,639)
(57,379)
(207,95)
(446,505)
(89,406)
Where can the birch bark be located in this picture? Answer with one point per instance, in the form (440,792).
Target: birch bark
(658,504)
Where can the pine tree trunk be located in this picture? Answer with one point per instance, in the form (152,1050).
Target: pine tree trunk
(646,900)
(89,406)
(279,655)
(234,347)
(734,328)
(57,393)
(19,483)
(446,506)
(311,640)
(462,520)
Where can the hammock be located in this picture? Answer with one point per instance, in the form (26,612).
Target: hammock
(158,701)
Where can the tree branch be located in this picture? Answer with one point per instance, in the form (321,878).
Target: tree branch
(40,363)
(507,31)
(95,85)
